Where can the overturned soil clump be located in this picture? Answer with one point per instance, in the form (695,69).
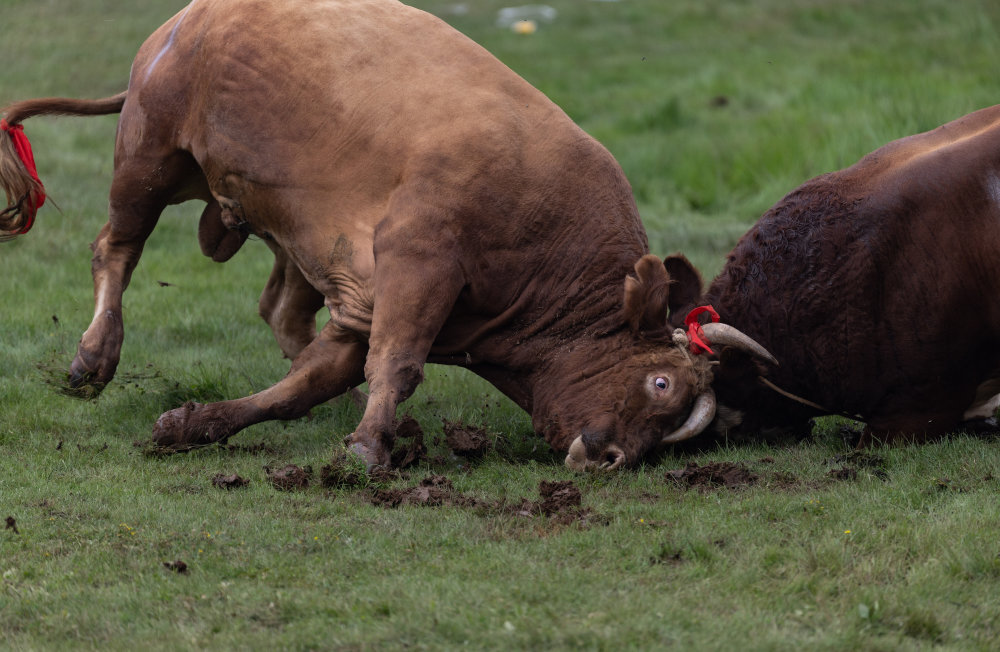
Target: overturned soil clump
(433,491)
(344,470)
(467,441)
(713,475)
(411,452)
(854,463)
(561,501)
(176,566)
(234,481)
(289,478)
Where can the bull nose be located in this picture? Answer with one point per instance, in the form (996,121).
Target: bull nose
(612,457)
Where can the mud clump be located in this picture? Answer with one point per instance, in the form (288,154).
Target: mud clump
(289,478)
(410,453)
(843,473)
(344,470)
(713,475)
(559,497)
(433,491)
(176,566)
(561,502)
(12,525)
(852,463)
(467,441)
(233,481)
(252,449)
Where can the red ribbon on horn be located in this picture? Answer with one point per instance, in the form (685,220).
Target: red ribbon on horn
(23,148)
(694,332)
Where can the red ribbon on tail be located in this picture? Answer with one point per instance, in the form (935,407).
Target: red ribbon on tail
(23,149)
(695,334)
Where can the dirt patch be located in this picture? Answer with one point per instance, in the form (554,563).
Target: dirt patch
(413,450)
(467,441)
(176,566)
(561,501)
(843,473)
(851,463)
(433,491)
(233,481)
(289,478)
(12,525)
(713,475)
(252,449)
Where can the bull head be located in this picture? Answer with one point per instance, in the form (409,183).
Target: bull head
(665,394)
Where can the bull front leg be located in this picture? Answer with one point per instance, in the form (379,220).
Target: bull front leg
(414,294)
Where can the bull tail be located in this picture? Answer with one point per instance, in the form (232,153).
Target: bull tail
(18,176)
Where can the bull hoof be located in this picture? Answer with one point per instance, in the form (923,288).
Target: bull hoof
(372,458)
(187,427)
(84,379)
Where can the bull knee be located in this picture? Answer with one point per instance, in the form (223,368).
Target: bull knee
(400,375)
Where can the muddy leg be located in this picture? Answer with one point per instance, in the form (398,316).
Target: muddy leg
(330,365)
(139,193)
(414,294)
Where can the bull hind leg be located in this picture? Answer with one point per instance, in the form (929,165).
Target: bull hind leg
(288,305)
(141,189)
(328,366)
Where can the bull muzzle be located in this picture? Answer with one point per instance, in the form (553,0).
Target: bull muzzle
(613,457)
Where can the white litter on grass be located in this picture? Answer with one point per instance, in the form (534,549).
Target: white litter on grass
(507,16)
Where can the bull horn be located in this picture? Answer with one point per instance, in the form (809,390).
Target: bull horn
(701,415)
(727,335)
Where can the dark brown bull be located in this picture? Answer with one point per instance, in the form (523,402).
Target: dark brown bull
(443,209)
(876,287)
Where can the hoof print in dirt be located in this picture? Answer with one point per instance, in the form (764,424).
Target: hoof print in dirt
(412,452)
(467,441)
(289,478)
(176,566)
(713,475)
(234,481)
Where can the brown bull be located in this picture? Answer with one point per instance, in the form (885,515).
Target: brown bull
(877,289)
(442,208)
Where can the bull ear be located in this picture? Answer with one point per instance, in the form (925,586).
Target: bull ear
(646,295)
(685,285)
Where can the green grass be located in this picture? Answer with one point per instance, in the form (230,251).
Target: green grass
(715,110)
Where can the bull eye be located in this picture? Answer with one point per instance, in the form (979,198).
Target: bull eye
(660,383)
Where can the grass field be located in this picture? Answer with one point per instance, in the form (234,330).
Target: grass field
(715,109)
